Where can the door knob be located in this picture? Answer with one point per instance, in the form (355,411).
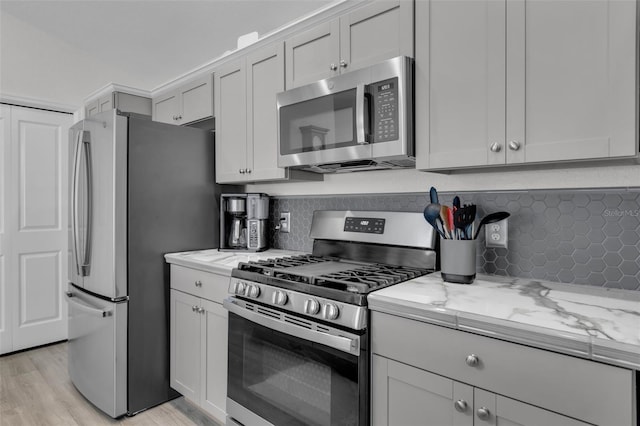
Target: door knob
(495,147)
(333,67)
(343,63)
(514,145)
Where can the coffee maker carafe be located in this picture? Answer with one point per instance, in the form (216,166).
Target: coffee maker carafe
(243,221)
(237,230)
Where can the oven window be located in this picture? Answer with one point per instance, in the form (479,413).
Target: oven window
(291,381)
(322,123)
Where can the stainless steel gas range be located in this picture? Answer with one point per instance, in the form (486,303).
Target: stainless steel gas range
(299,326)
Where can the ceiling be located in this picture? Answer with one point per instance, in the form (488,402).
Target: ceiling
(144,42)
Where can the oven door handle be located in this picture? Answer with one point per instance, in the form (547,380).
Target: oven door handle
(344,344)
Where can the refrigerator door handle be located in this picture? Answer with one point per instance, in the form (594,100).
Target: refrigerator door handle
(86,261)
(75,227)
(86,307)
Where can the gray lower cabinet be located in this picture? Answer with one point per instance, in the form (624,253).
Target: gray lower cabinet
(198,338)
(424,374)
(403,395)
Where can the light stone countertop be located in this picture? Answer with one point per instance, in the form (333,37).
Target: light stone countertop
(222,262)
(589,322)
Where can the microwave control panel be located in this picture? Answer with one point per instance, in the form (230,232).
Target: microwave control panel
(385,110)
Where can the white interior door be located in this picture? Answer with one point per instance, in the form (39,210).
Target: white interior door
(5,290)
(36,222)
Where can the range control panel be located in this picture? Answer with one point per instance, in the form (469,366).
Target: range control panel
(368,225)
(385,107)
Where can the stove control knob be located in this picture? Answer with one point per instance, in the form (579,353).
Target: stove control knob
(239,288)
(253,291)
(280,298)
(330,311)
(311,306)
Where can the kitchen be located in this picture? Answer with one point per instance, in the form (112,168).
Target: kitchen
(573,213)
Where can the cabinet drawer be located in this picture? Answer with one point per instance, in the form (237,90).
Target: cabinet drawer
(202,284)
(587,390)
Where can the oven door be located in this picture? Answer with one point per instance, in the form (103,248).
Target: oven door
(284,371)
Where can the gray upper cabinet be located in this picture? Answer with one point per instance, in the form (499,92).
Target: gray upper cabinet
(122,101)
(192,101)
(246,122)
(524,82)
(380,30)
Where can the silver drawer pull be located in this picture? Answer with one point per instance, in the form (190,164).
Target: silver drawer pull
(472,360)
(461,405)
(483,413)
(198,283)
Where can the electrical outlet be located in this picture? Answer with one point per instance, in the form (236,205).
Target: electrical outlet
(285,222)
(496,234)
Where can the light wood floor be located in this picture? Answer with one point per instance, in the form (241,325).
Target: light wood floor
(35,390)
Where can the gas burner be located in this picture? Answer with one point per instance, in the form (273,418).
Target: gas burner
(368,278)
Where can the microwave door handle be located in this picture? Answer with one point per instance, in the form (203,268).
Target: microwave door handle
(361,135)
(86,262)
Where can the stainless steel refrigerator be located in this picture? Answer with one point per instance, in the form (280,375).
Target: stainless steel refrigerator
(138,189)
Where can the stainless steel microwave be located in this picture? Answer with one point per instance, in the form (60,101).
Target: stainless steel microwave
(360,120)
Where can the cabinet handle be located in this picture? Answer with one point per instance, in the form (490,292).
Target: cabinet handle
(333,67)
(248,170)
(175,117)
(514,145)
(180,117)
(198,283)
(241,171)
(194,308)
(343,63)
(495,147)
(201,310)
(483,413)
(472,360)
(461,405)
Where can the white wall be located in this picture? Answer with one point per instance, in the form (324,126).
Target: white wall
(402,181)
(28,54)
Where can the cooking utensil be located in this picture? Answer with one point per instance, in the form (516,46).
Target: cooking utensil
(463,218)
(491,218)
(456,202)
(432,215)
(433,196)
(444,217)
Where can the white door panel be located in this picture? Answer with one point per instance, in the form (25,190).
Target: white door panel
(35,265)
(6,297)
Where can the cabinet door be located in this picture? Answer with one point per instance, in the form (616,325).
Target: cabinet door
(497,410)
(265,78)
(166,107)
(185,345)
(313,55)
(379,31)
(460,83)
(571,87)
(197,99)
(231,122)
(92,108)
(402,395)
(105,103)
(214,359)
